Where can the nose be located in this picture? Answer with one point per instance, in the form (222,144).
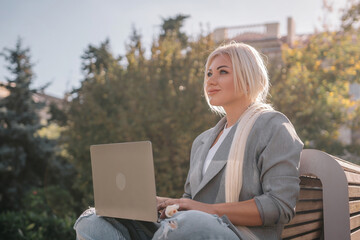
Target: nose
(211,81)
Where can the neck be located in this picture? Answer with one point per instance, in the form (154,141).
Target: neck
(235,112)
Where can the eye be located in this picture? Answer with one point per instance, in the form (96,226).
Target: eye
(209,74)
(223,72)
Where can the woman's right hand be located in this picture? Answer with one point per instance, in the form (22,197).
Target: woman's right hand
(160,200)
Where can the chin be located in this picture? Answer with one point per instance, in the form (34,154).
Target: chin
(216,101)
(215,104)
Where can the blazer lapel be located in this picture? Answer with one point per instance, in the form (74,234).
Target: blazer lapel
(220,158)
(201,153)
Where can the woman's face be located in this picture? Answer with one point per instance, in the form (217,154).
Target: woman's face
(219,83)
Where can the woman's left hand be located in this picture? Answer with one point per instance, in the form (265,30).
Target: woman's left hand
(184,204)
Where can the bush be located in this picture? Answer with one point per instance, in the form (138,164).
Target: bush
(30,225)
(49,200)
(46,214)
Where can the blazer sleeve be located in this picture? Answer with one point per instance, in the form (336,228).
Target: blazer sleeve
(278,161)
(187,193)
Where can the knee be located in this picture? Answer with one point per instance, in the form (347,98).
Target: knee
(86,225)
(194,225)
(194,218)
(89,226)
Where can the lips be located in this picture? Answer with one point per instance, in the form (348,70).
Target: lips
(213,91)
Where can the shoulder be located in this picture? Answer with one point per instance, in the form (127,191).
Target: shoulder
(272,118)
(274,124)
(202,137)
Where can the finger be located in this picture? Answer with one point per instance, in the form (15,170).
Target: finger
(162,215)
(162,205)
(161,199)
(166,203)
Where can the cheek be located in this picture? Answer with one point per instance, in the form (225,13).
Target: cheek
(228,83)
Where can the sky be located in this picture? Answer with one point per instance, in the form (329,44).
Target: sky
(58,31)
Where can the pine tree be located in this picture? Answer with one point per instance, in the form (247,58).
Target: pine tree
(172,26)
(24,156)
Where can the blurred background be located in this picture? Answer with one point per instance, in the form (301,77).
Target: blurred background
(77,73)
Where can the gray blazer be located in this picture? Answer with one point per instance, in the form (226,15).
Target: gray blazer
(270,171)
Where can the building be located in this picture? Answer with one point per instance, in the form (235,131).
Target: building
(40,97)
(264,37)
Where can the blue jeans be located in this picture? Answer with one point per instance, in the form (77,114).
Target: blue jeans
(183,225)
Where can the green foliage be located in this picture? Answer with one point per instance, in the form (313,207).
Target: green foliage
(159,98)
(34,226)
(176,108)
(351,17)
(312,87)
(31,208)
(172,26)
(47,214)
(24,156)
(51,200)
(58,115)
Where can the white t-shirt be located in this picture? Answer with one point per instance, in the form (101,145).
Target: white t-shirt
(214,148)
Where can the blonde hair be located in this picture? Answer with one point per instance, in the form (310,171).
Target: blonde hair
(249,70)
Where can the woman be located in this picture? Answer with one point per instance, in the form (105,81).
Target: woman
(245,169)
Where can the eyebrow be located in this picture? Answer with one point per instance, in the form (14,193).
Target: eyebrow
(219,67)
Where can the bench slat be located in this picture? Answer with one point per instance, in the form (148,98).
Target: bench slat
(348,166)
(353,178)
(296,230)
(305,217)
(354,222)
(310,181)
(354,191)
(307,236)
(310,194)
(355,235)
(308,222)
(302,206)
(354,206)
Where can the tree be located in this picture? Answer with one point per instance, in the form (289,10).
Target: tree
(312,87)
(176,109)
(93,114)
(159,98)
(172,26)
(351,17)
(24,155)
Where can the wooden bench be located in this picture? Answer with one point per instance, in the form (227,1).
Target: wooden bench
(329,202)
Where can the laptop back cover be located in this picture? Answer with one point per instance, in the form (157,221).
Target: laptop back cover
(124,180)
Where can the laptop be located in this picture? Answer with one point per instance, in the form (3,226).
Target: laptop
(124,180)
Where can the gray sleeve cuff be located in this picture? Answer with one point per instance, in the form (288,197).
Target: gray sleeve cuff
(272,215)
(186,195)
